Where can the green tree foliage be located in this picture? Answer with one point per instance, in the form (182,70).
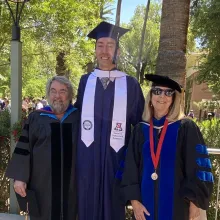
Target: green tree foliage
(50,28)
(4,49)
(129,44)
(206,26)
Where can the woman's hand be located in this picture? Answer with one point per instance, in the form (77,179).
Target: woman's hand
(139,210)
(194,212)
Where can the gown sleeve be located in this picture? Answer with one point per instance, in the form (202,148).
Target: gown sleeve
(19,165)
(80,93)
(130,184)
(198,180)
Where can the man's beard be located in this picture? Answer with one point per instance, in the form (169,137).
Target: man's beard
(59,107)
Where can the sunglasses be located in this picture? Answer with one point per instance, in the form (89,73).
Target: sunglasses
(167,92)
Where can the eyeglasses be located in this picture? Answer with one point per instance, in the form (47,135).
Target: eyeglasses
(167,92)
(53,92)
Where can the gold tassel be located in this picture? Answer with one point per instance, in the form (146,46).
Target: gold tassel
(26,214)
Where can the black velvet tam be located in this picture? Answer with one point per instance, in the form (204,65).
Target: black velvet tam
(163,81)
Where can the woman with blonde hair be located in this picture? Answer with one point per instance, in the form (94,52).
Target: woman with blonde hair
(167,174)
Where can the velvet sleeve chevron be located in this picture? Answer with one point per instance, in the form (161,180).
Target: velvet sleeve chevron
(19,165)
(131,180)
(198,179)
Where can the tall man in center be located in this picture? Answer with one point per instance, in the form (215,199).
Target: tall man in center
(110,102)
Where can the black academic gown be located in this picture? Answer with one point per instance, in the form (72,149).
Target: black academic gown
(97,165)
(184,171)
(44,158)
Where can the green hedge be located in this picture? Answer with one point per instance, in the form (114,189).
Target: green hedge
(4,158)
(211,134)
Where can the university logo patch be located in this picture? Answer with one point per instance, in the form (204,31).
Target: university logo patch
(118,127)
(87,125)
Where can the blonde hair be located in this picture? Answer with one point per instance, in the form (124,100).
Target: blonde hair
(175,112)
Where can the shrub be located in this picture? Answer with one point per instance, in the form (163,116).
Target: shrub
(4,158)
(17,128)
(210,131)
(5,135)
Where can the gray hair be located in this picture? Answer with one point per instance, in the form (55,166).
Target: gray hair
(62,80)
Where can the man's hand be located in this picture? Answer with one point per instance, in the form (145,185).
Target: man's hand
(194,212)
(20,188)
(139,210)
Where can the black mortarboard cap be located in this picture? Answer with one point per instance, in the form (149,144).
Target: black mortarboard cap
(158,80)
(31,200)
(105,29)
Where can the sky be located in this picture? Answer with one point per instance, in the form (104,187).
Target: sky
(127,9)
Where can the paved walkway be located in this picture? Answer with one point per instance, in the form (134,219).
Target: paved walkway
(10,217)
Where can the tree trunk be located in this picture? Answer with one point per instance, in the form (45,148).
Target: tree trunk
(171,60)
(200,114)
(118,13)
(101,9)
(142,69)
(142,42)
(89,67)
(61,69)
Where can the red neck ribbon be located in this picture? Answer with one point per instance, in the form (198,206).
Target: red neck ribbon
(155,158)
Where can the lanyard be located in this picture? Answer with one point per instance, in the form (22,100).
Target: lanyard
(155,157)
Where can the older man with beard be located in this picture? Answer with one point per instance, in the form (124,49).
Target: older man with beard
(44,158)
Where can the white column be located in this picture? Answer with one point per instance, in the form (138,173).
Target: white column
(16,102)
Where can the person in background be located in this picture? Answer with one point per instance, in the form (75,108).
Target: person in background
(7,106)
(191,114)
(167,174)
(44,101)
(1,104)
(39,104)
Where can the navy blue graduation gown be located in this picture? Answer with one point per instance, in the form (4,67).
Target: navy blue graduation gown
(97,164)
(184,171)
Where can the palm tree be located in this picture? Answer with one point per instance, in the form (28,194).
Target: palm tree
(141,44)
(106,10)
(118,13)
(200,105)
(171,59)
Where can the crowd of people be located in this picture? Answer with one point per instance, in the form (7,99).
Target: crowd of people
(31,104)
(28,104)
(111,148)
(206,115)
